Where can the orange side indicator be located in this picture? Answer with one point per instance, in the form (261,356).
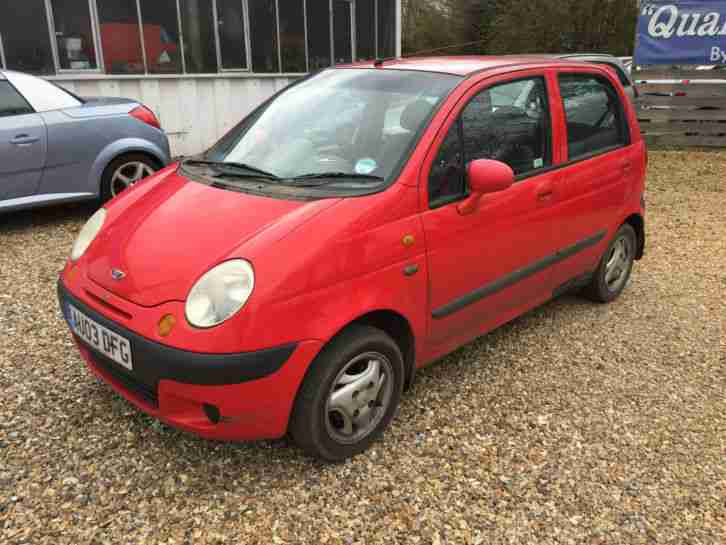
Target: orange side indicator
(166,324)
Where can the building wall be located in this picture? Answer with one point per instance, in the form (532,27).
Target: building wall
(194,111)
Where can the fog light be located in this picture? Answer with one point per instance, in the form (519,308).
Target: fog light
(212,413)
(166,324)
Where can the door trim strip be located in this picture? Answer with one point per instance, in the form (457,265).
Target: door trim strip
(516,276)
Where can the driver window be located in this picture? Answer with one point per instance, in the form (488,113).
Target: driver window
(509,123)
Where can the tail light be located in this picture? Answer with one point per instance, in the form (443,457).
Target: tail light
(143,114)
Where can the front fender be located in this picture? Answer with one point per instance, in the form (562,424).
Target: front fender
(122,147)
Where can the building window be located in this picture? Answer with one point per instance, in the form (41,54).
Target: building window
(365,24)
(318,18)
(193,36)
(25,38)
(74,34)
(160,26)
(292,36)
(342,32)
(200,51)
(231,34)
(118,24)
(263,35)
(386,29)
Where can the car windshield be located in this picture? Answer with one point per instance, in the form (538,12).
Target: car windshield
(349,125)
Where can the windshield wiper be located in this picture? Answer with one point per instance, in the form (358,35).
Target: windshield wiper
(235,168)
(308,180)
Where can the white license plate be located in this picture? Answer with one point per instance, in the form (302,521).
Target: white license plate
(105,341)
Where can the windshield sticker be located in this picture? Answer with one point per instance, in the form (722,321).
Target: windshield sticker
(538,163)
(365,166)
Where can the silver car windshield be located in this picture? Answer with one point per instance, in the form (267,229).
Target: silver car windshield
(357,122)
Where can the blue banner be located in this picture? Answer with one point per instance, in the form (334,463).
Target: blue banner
(681,32)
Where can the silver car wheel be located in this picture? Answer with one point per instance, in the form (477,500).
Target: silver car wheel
(127,175)
(618,263)
(359,397)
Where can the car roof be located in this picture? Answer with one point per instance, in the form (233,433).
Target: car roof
(466,65)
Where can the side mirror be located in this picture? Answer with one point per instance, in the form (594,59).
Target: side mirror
(485,176)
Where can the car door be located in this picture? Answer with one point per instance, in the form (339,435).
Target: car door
(492,264)
(598,172)
(22,145)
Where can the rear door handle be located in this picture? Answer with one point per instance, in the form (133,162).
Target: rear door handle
(24,140)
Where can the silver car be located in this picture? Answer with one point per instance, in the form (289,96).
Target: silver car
(56,147)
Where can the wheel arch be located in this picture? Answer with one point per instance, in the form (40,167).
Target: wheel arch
(637,222)
(118,149)
(395,325)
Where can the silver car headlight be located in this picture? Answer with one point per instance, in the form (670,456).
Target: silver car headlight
(220,293)
(88,234)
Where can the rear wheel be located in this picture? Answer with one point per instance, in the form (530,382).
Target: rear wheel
(350,394)
(615,267)
(123,172)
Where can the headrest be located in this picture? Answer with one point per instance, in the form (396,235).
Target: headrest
(414,113)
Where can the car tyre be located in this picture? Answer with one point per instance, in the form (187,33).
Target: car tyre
(613,271)
(123,172)
(349,395)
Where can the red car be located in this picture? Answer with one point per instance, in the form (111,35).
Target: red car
(295,276)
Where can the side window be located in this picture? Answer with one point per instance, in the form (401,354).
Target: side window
(618,72)
(594,114)
(11,103)
(446,180)
(509,123)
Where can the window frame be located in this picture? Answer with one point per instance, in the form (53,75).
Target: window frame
(278,48)
(218,43)
(95,32)
(3,65)
(443,201)
(624,124)
(620,71)
(457,113)
(331,8)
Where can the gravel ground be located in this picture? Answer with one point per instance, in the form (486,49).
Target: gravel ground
(574,424)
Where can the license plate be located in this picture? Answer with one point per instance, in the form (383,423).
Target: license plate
(98,337)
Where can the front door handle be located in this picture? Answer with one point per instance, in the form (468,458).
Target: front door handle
(544,192)
(24,140)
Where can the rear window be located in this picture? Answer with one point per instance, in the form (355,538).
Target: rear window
(42,95)
(11,103)
(594,114)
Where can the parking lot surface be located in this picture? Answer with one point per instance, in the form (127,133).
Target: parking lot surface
(577,423)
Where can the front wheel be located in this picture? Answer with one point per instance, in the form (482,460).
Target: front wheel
(614,270)
(349,395)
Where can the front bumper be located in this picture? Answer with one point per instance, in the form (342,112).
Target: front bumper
(252,392)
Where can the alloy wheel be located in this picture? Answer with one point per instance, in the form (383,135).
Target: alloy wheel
(127,175)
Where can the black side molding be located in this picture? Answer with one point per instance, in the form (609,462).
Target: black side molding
(516,276)
(154,361)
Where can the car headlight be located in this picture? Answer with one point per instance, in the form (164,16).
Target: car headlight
(88,234)
(220,293)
